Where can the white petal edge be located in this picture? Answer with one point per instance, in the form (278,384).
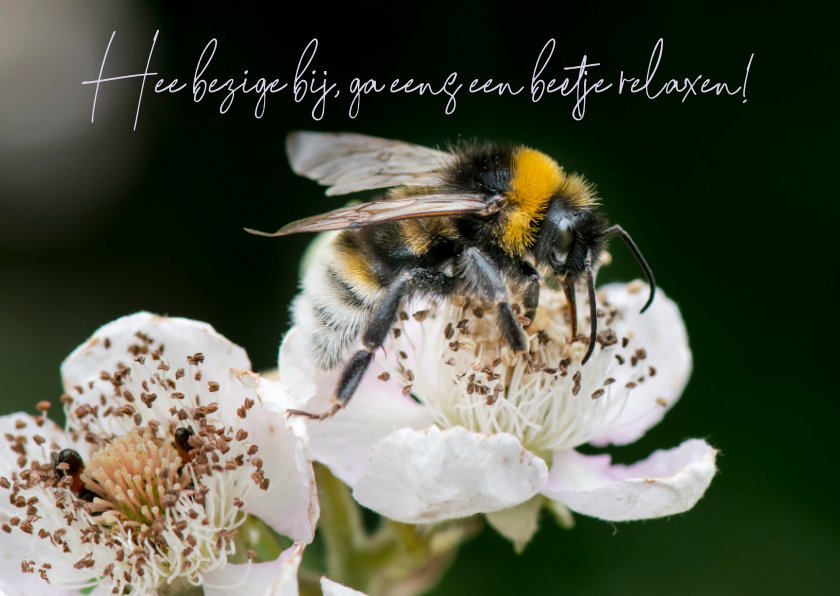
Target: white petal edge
(290,504)
(331,588)
(377,409)
(661,331)
(272,578)
(434,475)
(668,482)
(180,337)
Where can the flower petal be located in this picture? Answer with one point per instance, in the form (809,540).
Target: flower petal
(290,504)
(274,578)
(518,524)
(433,475)
(377,410)
(331,588)
(297,371)
(27,584)
(666,483)
(13,582)
(178,338)
(661,332)
(13,548)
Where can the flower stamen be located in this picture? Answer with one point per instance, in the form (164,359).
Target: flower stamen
(108,474)
(546,398)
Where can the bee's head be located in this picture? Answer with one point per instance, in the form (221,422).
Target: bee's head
(569,245)
(566,237)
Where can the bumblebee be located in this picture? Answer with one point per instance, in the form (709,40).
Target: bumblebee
(483,220)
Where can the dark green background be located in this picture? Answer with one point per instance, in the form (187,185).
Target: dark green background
(732,203)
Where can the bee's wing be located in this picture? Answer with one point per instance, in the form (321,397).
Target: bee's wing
(351,162)
(377,212)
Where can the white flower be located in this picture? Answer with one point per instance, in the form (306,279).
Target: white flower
(150,511)
(449,423)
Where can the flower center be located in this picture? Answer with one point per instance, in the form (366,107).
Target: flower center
(129,475)
(454,360)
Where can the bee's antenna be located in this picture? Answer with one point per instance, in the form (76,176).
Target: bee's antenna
(616,229)
(593,309)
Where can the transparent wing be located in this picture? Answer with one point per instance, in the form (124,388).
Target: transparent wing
(349,162)
(377,212)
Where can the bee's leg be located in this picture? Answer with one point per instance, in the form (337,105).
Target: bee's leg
(430,280)
(531,294)
(484,277)
(510,328)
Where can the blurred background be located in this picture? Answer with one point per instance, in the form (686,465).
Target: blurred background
(732,203)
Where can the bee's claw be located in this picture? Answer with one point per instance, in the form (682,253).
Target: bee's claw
(530,315)
(322,416)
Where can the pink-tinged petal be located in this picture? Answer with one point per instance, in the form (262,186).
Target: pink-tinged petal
(331,588)
(433,475)
(377,409)
(661,332)
(290,504)
(666,483)
(274,578)
(116,342)
(518,524)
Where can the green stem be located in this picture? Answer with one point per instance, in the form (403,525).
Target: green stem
(341,527)
(309,583)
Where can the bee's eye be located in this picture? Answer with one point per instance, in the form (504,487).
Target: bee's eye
(563,240)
